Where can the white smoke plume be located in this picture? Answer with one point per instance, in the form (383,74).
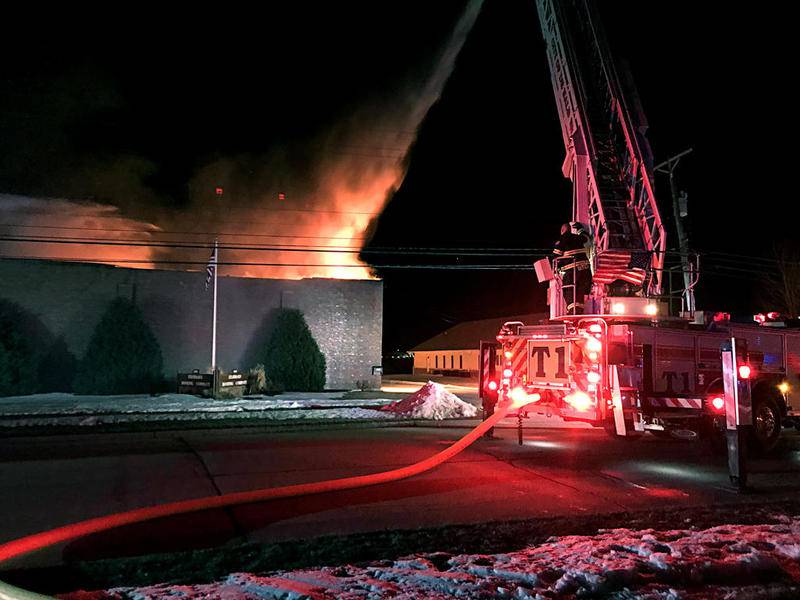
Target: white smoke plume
(309,204)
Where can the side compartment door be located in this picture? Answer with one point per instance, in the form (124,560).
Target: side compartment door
(674,364)
(709,362)
(764,349)
(793,369)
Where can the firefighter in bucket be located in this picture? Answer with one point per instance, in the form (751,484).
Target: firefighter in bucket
(572,262)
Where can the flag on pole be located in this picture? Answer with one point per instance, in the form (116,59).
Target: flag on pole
(621,264)
(212,265)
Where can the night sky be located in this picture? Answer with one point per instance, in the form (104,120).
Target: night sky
(128,109)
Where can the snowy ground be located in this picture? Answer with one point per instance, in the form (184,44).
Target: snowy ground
(63,409)
(430,402)
(729,561)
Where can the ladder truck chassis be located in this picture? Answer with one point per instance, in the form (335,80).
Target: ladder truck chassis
(632,376)
(611,354)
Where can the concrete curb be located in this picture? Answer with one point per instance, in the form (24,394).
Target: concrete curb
(255,424)
(267,425)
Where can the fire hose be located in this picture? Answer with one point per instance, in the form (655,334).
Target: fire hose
(44,539)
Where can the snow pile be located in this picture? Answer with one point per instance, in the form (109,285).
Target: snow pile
(732,561)
(432,401)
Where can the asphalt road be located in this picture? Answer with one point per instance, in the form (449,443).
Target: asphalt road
(52,481)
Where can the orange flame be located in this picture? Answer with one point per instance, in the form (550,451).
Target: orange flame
(315,230)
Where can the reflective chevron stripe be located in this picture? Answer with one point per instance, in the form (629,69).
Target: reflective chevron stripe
(519,357)
(677,402)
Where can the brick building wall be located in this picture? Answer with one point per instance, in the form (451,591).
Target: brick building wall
(345,316)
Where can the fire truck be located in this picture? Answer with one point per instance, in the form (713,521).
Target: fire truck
(629,353)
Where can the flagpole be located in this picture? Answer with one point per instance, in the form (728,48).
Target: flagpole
(214,321)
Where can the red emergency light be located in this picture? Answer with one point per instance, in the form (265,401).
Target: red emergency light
(519,396)
(492,385)
(594,345)
(718,403)
(770,317)
(744,371)
(579,401)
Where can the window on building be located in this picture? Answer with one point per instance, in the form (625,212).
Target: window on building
(452,362)
(461,361)
(436,362)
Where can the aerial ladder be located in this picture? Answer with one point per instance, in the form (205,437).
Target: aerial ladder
(608,158)
(623,361)
(592,360)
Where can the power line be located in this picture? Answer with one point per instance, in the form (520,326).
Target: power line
(472,267)
(212,234)
(506,252)
(736,274)
(755,261)
(730,257)
(440,267)
(736,259)
(719,260)
(720,263)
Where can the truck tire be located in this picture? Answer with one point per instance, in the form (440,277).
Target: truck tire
(767,423)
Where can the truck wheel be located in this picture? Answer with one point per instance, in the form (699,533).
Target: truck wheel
(766,424)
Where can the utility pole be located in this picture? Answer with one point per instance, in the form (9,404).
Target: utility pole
(669,166)
(214,320)
(219,191)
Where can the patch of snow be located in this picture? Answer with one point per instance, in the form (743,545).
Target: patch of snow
(732,561)
(71,409)
(790,550)
(432,401)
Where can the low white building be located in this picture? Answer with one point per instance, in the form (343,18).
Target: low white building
(456,350)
